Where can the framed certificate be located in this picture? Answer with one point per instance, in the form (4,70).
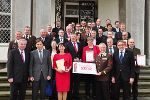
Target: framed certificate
(141,60)
(60,64)
(84,68)
(89,56)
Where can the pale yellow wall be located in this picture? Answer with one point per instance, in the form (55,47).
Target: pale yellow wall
(108,9)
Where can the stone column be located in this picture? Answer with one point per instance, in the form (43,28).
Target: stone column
(41,15)
(135,15)
(21,15)
(147,30)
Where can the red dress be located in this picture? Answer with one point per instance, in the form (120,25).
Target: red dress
(63,79)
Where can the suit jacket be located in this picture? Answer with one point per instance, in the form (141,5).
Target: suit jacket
(118,36)
(136,52)
(86,48)
(56,30)
(102,39)
(30,43)
(125,69)
(70,49)
(58,40)
(37,67)
(114,49)
(47,42)
(96,28)
(16,68)
(12,45)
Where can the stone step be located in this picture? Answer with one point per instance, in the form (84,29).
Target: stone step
(142,93)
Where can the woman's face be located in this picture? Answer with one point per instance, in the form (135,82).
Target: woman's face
(61,48)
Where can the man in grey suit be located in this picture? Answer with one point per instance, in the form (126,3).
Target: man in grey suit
(40,70)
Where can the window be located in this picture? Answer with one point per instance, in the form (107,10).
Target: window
(5,21)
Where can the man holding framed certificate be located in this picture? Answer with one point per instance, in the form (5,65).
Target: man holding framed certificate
(136,53)
(88,56)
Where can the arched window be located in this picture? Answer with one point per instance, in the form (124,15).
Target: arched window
(5,21)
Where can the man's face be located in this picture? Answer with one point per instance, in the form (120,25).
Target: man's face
(100,32)
(73,37)
(58,24)
(131,43)
(43,34)
(122,27)
(61,33)
(109,28)
(93,34)
(39,45)
(27,31)
(49,28)
(117,24)
(18,35)
(77,27)
(83,23)
(109,43)
(124,35)
(22,45)
(110,35)
(98,22)
(120,46)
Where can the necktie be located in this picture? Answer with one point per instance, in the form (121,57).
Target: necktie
(61,39)
(121,56)
(110,50)
(75,48)
(40,56)
(22,56)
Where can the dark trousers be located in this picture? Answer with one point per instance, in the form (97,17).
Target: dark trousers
(74,87)
(90,80)
(126,86)
(36,85)
(135,86)
(17,90)
(102,90)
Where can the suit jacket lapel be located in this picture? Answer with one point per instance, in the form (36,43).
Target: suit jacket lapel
(44,54)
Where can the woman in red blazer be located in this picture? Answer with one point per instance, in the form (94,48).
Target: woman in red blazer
(90,79)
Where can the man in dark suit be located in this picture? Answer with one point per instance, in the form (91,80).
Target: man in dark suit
(18,70)
(136,52)
(103,65)
(30,39)
(117,27)
(75,49)
(110,47)
(45,39)
(123,71)
(118,35)
(61,37)
(100,37)
(57,28)
(40,70)
(14,43)
(98,26)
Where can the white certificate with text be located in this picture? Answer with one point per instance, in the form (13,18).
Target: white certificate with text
(141,60)
(89,56)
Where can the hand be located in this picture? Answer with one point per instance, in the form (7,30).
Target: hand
(10,80)
(113,80)
(99,73)
(60,71)
(131,81)
(32,79)
(48,77)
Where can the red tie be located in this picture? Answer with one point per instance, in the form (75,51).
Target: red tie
(22,56)
(75,48)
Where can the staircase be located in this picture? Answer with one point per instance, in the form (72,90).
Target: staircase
(144,85)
